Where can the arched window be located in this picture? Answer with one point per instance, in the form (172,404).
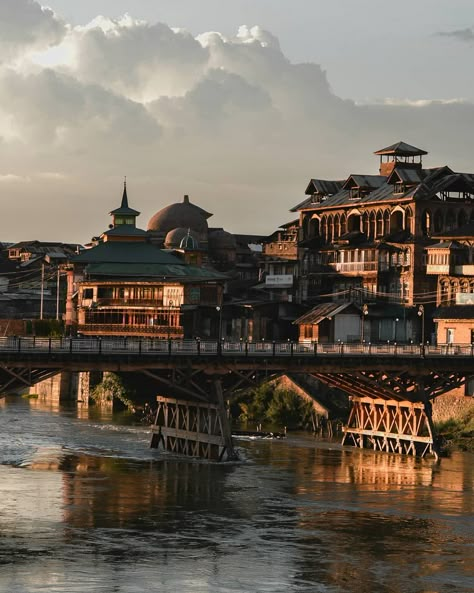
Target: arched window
(324,229)
(365,224)
(426,223)
(343,225)
(330,228)
(396,221)
(444,297)
(353,223)
(379,225)
(313,227)
(372,226)
(386,222)
(337,226)
(409,220)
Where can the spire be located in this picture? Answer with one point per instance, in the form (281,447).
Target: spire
(124,203)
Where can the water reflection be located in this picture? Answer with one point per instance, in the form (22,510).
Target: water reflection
(86,506)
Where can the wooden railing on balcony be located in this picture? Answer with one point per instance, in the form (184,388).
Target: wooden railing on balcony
(368,266)
(100,329)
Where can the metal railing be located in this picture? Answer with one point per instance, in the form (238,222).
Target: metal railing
(198,347)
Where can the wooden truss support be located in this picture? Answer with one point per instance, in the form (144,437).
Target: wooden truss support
(391,426)
(194,429)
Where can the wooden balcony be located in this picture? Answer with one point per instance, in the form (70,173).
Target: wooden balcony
(347,267)
(437,269)
(103,329)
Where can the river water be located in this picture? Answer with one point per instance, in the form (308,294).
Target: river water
(86,506)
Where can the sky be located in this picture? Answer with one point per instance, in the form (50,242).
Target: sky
(236,103)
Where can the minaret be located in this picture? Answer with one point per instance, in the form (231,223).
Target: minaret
(124,215)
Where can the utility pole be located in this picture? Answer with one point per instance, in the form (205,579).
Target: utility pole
(57,295)
(42,291)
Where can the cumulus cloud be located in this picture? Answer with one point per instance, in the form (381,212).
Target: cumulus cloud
(25,24)
(465,35)
(229,120)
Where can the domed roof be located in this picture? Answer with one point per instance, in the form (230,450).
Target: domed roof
(221,239)
(180,215)
(181,238)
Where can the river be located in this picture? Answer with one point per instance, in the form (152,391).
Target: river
(86,506)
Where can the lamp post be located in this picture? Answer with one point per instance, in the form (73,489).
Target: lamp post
(421,314)
(170,305)
(219,329)
(365,312)
(396,327)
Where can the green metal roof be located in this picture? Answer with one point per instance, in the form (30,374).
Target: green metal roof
(125,252)
(137,271)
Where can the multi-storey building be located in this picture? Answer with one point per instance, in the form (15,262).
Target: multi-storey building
(365,238)
(126,285)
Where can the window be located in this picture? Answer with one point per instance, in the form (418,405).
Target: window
(87,293)
(449,335)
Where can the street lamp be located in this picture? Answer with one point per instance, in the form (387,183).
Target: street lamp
(170,304)
(365,311)
(219,328)
(421,314)
(396,327)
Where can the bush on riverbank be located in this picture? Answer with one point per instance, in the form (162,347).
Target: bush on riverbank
(457,433)
(279,407)
(110,388)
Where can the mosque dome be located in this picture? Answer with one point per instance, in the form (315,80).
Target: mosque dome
(181,238)
(181,215)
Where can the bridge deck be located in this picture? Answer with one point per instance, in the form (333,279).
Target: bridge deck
(129,354)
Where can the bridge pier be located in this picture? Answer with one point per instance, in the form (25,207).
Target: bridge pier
(194,429)
(392,426)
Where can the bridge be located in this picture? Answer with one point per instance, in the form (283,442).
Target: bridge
(391,386)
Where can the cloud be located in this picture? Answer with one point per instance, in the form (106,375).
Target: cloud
(465,35)
(229,120)
(25,24)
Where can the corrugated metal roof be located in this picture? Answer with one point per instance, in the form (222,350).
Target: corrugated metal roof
(126,252)
(323,186)
(154,270)
(365,181)
(322,311)
(406,175)
(401,149)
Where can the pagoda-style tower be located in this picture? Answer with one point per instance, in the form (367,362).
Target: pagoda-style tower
(124,215)
(409,157)
(124,223)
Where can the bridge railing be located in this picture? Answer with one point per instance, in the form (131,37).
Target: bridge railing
(155,346)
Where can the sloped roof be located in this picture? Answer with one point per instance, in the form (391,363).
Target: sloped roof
(406,175)
(365,181)
(182,272)
(322,311)
(125,252)
(126,230)
(323,186)
(124,208)
(401,149)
